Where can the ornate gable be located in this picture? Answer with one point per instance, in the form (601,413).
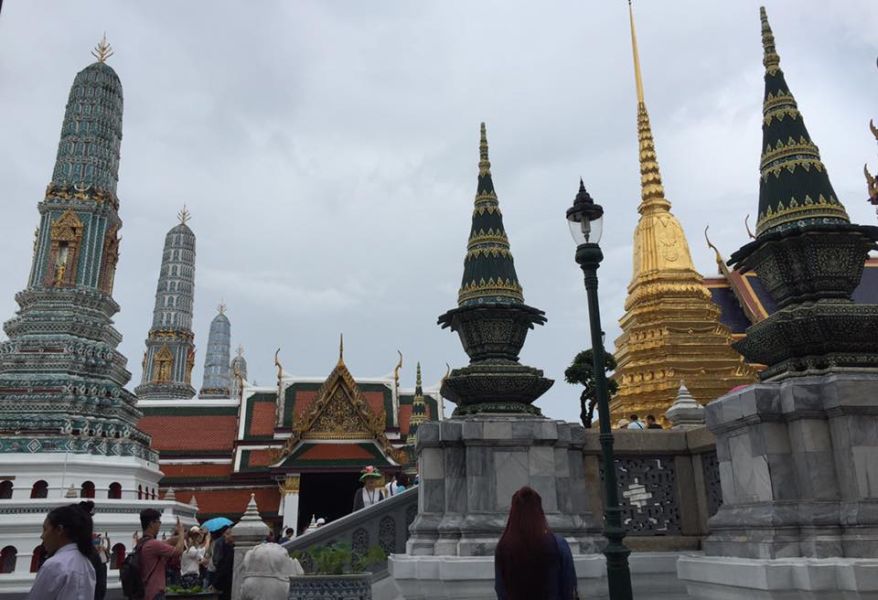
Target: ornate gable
(340,412)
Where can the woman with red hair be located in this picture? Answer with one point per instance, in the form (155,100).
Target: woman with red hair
(531,562)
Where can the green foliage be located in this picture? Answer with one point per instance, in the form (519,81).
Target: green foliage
(581,372)
(338,559)
(178,589)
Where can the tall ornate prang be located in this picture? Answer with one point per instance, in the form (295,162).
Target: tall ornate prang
(170,347)
(217,378)
(671,327)
(62,379)
(807,253)
(419,409)
(238,368)
(491,319)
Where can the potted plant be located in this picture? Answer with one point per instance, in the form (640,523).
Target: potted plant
(196,592)
(335,572)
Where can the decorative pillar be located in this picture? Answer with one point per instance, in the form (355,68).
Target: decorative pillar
(289,502)
(250,531)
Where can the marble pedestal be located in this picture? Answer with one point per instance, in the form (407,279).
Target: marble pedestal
(798,464)
(471,466)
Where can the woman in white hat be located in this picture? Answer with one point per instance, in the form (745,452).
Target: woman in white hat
(371,492)
(192,557)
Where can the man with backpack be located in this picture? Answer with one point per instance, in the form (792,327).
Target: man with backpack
(143,574)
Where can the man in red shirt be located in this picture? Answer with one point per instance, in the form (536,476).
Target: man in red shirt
(155,553)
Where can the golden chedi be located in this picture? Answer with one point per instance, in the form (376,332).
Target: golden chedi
(671,329)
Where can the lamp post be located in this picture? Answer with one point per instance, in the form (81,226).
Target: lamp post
(585,219)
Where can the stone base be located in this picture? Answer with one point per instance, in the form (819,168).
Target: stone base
(724,578)
(472,578)
(470,467)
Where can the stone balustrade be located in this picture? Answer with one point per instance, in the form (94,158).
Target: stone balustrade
(385,524)
(668,481)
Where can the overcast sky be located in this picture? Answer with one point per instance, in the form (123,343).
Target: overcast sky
(328,153)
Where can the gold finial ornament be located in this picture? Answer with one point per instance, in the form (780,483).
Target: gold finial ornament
(484,163)
(770,58)
(718,256)
(222,307)
(103,50)
(638,79)
(747,227)
(341,348)
(184,215)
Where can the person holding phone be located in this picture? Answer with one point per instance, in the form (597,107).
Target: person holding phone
(156,553)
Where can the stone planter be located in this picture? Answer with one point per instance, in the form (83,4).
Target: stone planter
(331,587)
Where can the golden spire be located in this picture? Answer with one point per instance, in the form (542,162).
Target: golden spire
(484,163)
(638,79)
(103,50)
(341,348)
(652,193)
(770,58)
(184,215)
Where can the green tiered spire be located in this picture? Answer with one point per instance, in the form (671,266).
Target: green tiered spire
(794,189)
(419,409)
(488,271)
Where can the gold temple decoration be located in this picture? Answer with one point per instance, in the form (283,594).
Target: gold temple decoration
(163,364)
(103,50)
(747,227)
(340,412)
(671,326)
(184,215)
(65,235)
(290,485)
(872,180)
(341,348)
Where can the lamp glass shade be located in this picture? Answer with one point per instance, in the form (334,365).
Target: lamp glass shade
(585,230)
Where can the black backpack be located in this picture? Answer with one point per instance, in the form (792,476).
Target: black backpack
(130,574)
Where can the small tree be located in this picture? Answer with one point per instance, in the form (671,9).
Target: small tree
(581,372)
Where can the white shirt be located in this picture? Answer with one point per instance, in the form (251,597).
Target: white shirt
(67,575)
(190,559)
(635,425)
(371,497)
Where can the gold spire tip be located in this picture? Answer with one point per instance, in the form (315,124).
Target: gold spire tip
(770,58)
(222,307)
(184,215)
(484,163)
(341,348)
(638,78)
(103,50)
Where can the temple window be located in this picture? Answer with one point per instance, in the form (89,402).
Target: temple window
(7,559)
(163,365)
(87,490)
(115,491)
(40,489)
(38,558)
(6,489)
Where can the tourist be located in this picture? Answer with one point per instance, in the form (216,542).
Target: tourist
(225,565)
(371,492)
(98,556)
(287,536)
(635,423)
(155,553)
(531,561)
(623,423)
(192,557)
(390,487)
(68,573)
(402,482)
(651,423)
(321,522)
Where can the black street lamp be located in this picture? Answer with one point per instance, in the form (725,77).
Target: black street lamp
(586,220)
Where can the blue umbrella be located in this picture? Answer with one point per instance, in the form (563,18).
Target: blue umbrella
(216,524)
